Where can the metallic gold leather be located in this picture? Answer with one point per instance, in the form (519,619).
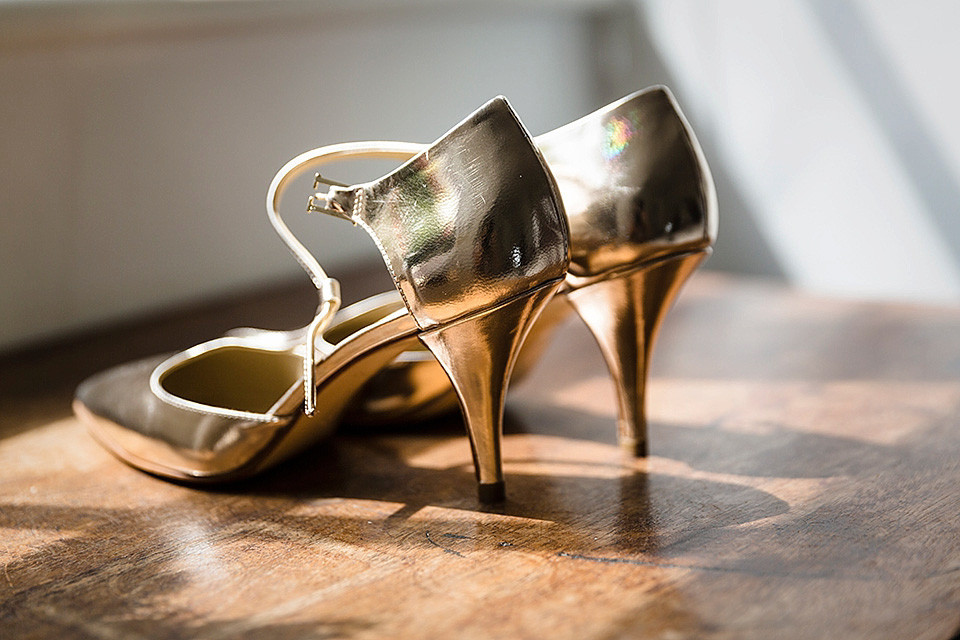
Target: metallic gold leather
(470,229)
(632,178)
(122,412)
(469,223)
(636,189)
(411,388)
(174,442)
(634,184)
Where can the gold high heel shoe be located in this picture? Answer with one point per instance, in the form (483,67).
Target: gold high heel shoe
(474,236)
(643,215)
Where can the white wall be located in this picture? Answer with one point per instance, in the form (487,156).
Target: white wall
(135,162)
(834,122)
(137,139)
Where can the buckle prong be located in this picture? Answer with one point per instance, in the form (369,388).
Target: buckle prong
(319,180)
(317,203)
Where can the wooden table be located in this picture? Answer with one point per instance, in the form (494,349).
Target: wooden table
(804,482)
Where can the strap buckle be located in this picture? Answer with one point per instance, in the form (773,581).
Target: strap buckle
(320,202)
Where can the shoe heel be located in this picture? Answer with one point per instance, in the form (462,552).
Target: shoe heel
(624,314)
(478,354)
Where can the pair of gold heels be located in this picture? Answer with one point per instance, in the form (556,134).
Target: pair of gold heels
(479,231)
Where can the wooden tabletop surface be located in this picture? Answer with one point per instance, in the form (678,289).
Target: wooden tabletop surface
(804,482)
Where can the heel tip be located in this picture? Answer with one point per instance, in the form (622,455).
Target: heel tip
(634,448)
(494,492)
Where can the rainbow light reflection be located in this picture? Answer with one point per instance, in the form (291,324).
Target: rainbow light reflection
(618,132)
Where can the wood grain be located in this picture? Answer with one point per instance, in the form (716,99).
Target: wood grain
(802,484)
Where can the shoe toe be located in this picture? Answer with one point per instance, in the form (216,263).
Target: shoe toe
(122,396)
(123,413)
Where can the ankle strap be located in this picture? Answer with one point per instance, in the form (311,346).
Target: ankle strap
(328,288)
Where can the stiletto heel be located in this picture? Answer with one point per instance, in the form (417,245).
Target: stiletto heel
(624,315)
(478,355)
